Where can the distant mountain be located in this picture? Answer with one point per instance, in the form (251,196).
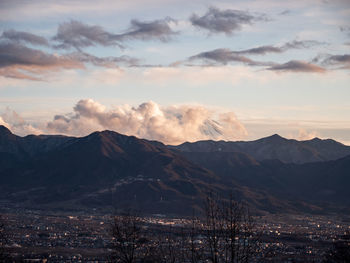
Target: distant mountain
(316,183)
(274,147)
(31,145)
(102,169)
(108,170)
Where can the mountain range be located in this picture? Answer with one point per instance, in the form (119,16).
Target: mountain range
(107,170)
(274,147)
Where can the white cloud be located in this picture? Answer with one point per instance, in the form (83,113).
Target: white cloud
(171,124)
(13,121)
(306,135)
(2,122)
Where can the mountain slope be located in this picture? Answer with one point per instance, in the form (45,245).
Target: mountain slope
(31,145)
(274,147)
(319,183)
(106,169)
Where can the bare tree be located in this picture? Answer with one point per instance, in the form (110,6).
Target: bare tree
(240,242)
(169,245)
(128,239)
(223,235)
(194,251)
(228,230)
(213,226)
(180,244)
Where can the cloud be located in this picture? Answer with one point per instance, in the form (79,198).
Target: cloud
(19,37)
(285,12)
(75,34)
(171,125)
(262,50)
(304,135)
(78,35)
(16,54)
(108,62)
(18,61)
(345,29)
(157,29)
(224,56)
(342,60)
(296,44)
(13,121)
(2,122)
(224,21)
(297,66)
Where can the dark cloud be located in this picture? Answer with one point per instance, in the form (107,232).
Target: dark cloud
(224,56)
(224,21)
(18,36)
(285,12)
(262,50)
(18,61)
(78,35)
(319,58)
(301,44)
(17,54)
(345,29)
(338,60)
(297,66)
(158,29)
(103,61)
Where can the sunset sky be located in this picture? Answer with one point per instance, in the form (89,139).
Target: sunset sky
(174,70)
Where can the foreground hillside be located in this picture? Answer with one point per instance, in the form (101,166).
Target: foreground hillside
(107,170)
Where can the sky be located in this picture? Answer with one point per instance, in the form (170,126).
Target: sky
(175,70)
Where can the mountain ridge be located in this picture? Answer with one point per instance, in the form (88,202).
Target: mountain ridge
(107,169)
(274,147)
